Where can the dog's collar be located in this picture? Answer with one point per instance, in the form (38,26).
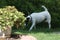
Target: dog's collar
(30,18)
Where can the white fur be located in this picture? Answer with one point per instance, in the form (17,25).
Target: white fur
(39,17)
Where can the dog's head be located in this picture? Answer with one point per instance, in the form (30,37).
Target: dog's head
(28,19)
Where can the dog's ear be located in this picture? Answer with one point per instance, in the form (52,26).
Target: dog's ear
(26,21)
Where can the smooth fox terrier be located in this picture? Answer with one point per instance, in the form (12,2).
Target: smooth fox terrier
(39,17)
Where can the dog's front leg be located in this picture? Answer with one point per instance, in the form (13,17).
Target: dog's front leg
(33,24)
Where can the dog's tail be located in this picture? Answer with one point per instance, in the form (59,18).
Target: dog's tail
(44,7)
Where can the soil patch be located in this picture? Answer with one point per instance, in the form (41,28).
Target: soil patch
(20,37)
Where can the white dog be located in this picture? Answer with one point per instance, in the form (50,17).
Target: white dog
(39,17)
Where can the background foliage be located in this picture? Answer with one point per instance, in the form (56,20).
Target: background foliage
(29,6)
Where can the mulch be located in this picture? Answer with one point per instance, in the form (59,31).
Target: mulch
(19,37)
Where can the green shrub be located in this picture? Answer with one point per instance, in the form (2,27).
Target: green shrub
(9,15)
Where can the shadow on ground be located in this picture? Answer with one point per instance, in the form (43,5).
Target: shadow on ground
(37,30)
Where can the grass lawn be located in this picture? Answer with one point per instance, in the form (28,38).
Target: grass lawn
(42,33)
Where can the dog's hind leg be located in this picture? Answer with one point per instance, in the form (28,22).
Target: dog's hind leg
(49,25)
(49,21)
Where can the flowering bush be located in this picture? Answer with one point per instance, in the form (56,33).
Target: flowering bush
(9,15)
